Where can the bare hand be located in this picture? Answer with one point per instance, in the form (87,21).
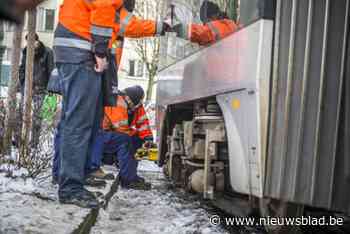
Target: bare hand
(101,64)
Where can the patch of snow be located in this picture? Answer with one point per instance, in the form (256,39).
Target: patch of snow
(148,166)
(157,211)
(31,206)
(28,214)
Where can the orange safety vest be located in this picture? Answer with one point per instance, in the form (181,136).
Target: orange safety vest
(86,17)
(116,119)
(210,32)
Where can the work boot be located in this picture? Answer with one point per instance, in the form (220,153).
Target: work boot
(54,180)
(108,159)
(94,182)
(100,174)
(82,198)
(139,184)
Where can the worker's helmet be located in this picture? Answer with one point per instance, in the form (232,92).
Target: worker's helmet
(135,93)
(209,11)
(129,5)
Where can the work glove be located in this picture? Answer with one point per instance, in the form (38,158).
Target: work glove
(149,143)
(165,28)
(180,30)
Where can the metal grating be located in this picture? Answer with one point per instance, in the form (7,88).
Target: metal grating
(307,152)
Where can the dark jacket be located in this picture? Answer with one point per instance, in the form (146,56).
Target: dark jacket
(43,65)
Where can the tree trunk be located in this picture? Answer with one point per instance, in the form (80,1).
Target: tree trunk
(150,83)
(28,89)
(10,120)
(2,50)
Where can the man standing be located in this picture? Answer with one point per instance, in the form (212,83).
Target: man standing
(43,65)
(81,47)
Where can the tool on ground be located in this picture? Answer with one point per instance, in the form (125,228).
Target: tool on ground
(150,154)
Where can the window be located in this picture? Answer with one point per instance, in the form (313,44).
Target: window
(45,19)
(136,68)
(139,68)
(49,19)
(131,67)
(5,74)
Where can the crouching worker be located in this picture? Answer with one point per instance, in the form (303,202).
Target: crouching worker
(125,129)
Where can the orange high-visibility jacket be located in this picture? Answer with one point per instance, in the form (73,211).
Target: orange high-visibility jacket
(130,26)
(84,26)
(211,32)
(86,17)
(116,119)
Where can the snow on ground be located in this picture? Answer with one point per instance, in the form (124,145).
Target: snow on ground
(159,210)
(28,214)
(31,206)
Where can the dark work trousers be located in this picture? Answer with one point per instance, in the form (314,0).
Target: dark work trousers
(92,163)
(123,147)
(80,121)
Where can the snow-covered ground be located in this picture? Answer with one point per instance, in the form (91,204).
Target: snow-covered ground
(31,206)
(159,210)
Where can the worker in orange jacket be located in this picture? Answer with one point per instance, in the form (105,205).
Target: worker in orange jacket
(129,26)
(81,47)
(215,26)
(125,129)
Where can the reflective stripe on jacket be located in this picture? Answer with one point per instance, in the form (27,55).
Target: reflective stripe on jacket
(213,31)
(116,119)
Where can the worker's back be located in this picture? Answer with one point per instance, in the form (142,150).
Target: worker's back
(84,27)
(75,16)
